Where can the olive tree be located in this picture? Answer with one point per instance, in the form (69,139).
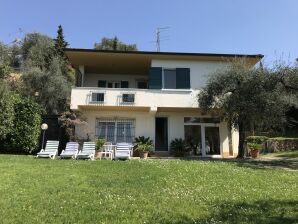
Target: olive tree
(246,96)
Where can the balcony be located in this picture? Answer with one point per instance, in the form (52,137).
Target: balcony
(135,99)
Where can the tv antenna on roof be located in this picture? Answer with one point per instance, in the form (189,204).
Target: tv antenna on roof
(158,37)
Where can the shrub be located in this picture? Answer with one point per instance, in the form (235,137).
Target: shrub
(256,139)
(179,146)
(144,147)
(99,143)
(142,140)
(25,132)
(254,146)
(7,112)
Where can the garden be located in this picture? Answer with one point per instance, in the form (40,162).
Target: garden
(145,191)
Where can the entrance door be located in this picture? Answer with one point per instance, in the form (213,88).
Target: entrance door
(161,134)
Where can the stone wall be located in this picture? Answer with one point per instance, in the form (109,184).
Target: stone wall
(280,145)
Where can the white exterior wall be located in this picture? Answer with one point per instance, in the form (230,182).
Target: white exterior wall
(145,125)
(145,122)
(90,80)
(143,97)
(199,70)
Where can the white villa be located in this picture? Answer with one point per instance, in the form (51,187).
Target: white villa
(124,95)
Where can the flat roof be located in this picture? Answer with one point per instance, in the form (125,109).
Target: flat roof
(165,53)
(138,62)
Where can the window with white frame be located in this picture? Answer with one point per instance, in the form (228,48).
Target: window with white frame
(117,130)
(97,97)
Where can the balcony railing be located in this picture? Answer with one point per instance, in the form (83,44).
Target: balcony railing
(82,96)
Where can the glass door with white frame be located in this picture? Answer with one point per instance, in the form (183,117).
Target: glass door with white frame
(116,130)
(202,135)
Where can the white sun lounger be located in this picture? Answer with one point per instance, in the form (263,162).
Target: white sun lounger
(123,150)
(71,150)
(50,151)
(88,151)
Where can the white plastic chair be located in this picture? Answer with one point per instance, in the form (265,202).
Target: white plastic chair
(51,150)
(108,150)
(88,151)
(71,150)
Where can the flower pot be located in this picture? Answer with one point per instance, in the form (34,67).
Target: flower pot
(255,153)
(98,154)
(143,155)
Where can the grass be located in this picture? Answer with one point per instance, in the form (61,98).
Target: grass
(152,191)
(286,154)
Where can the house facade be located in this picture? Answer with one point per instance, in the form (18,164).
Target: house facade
(124,95)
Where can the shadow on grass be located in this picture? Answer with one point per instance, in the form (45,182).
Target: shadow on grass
(290,164)
(266,212)
(288,155)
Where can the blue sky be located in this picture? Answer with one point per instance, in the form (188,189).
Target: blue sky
(269,27)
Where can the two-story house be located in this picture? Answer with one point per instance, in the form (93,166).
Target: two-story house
(153,94)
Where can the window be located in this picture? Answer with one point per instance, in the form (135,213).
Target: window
(116,130)
(176,78)
(169,78)
(97,97)
(102,83)
(128,98)
(142,85)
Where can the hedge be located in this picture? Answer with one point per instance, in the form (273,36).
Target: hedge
(276,144)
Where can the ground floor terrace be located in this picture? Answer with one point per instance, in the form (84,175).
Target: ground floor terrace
(207,134)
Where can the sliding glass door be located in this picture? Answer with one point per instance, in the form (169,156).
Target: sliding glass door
(202,135)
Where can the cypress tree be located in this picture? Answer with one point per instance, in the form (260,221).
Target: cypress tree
(60,42)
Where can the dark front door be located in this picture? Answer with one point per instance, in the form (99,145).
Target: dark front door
(161,134)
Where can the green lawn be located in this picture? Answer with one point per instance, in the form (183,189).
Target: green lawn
(152,191)
(287,154)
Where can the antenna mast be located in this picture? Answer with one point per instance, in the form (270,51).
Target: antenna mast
(158,31)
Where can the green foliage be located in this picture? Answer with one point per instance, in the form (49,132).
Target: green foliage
(60,43)
(52,87)
(254,146)
(38,50)
(283,138)
(256,139)
(99,143)
(250,98)
(7,111)
(152,191)
(143,140)
(179,146)
(113,44)
(25,131)
(145,147)
(143,144)
(5,59)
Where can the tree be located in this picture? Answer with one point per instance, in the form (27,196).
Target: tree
(50,86)
(37,50)
(5,59)
(113,44)
(60,43)
(7,113)
(247,97)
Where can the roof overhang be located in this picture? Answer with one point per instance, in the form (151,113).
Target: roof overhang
(138,62)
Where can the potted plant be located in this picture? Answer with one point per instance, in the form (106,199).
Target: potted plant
(99,144)
(179,147)
(144,149)
(143,146)
(254,149)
